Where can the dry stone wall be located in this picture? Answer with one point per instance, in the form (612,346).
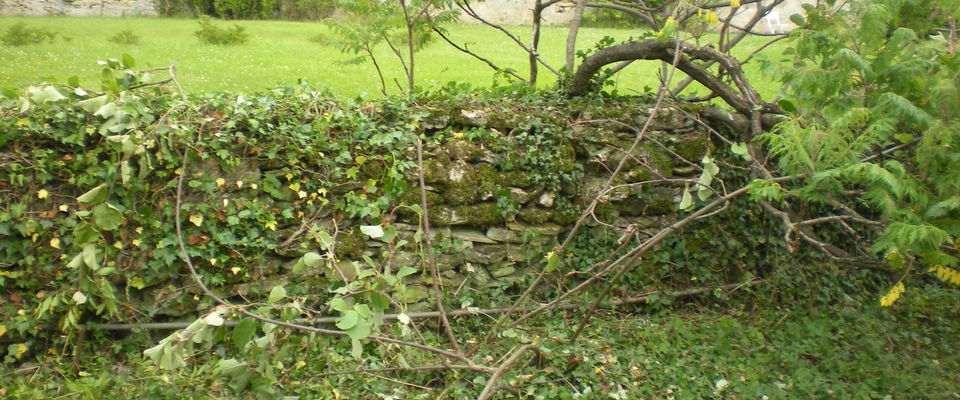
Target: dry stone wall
(490,221)
(79,8)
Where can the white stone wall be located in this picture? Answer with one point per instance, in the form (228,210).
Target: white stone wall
(79,8)
(520,12)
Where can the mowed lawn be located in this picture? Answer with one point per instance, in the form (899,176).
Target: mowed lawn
(280,52)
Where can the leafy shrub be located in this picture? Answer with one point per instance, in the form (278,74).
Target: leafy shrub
(20,35)
(244,9)
(305,9)
(125,37)
(212,34)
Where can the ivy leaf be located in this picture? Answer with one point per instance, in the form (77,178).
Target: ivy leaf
(93,104)
(348,320)
(196,219)
(230,367)
(740,149)
(356,348)
(94,196)
(154,352)
(373,231)
(338,304)
(89,255)
(107,217)
(686,201)
(213,319)
(137,282)
(276,294)
(243,332)
(44,94)
(363,310)
(406,271)
(107,110)
(79,297)
(359,330)
(126,171)
(553,260)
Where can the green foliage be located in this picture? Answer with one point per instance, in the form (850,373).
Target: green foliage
(20,34)
(244,9)
(878,78)
(125,37)
(210,33)
(305,9)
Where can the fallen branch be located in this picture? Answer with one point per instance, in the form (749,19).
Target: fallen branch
(642,299)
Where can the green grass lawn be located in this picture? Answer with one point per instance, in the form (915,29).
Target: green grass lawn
(279,53)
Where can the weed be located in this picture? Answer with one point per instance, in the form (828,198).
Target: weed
(212,34)
(125,37)
(21,35)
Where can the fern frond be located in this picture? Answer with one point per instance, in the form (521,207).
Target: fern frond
(892,102)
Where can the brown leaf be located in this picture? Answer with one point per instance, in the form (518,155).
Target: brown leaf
(198,240)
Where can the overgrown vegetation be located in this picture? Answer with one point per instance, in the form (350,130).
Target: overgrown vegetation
(125,37)
(210,33)
(853,168)
(248,9)
(20,34)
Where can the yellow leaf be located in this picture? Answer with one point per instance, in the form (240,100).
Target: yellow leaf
(55,243)
(301,194)
(18,350)
(294,186)
(253,186)
(42,194)
(221,182)
(712,17)
(289,176)
(213,261)
(135,242)
(892,296)
(271,225)
(3,330)
(196,219)
(118,245)
(64,208)
(235,270)
(239,184)
(734,3)
(139,229)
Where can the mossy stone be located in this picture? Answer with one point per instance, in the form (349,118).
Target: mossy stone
(463,150)
(350,244)
(536,215)
(693,147)
(412,196)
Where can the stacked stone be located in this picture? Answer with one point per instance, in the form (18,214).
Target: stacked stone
(79,8)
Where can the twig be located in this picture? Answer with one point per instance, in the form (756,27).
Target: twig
(492,385)
(464,49)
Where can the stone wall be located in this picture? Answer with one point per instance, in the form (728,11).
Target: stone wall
(491,222)
(79,8)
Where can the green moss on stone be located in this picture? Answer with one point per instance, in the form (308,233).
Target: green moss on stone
(536,215)
(693,147)
(480,215)
(350,244)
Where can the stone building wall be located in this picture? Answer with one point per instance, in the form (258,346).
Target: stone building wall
(78,8)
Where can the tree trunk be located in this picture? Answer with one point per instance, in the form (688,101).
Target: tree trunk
(572,34)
